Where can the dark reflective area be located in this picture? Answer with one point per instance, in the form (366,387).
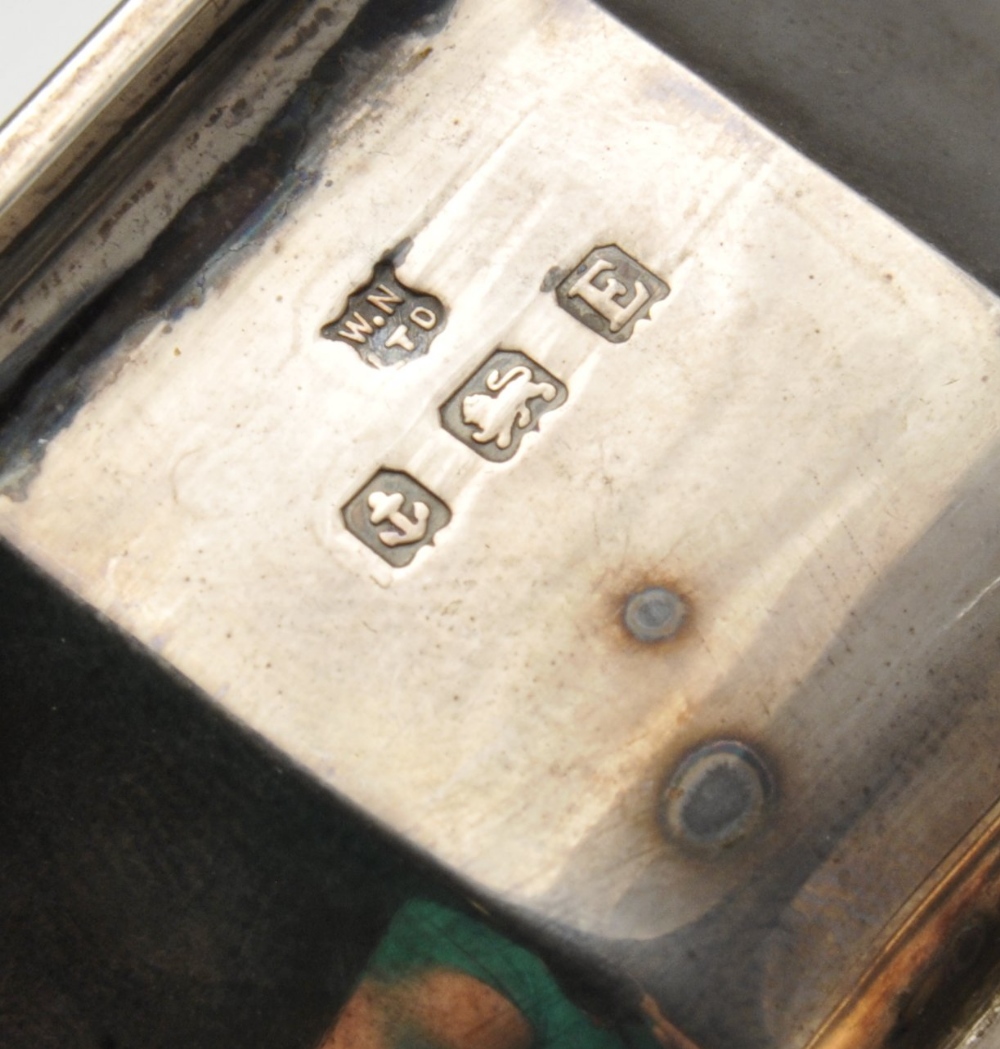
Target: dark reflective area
(897,97)
(168,880)
(165,880)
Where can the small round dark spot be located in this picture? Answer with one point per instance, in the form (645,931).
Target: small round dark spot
(654,614)
(717,796)
(968,946)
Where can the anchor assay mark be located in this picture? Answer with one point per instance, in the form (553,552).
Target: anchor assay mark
(395,516)
(389,507)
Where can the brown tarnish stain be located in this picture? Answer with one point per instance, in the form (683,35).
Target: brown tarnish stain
(612,611)
(934,974)
(417,60)
(238,112)
(669,1036)
(106,227)
(772,827)
(305,32)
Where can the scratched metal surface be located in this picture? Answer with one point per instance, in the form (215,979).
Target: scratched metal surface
(150,171)
(800,438)
(134,53)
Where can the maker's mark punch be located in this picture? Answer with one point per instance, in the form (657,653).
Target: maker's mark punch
(387,323)
(610,293)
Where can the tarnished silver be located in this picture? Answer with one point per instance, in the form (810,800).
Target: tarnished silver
(654,614)
(717,796)
(677,355)
(65,124)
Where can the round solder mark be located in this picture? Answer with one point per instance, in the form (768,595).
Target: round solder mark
(717,796)
(654,614)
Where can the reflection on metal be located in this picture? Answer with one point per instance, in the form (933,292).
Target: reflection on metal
(717,796)
(800,441)
(935,977)
(441,977)
(984,1032)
